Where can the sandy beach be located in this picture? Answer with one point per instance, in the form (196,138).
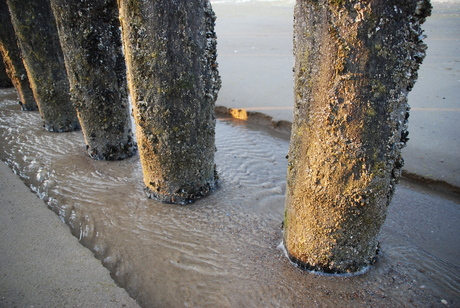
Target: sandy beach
(41,263)
(230,259)
(255,61)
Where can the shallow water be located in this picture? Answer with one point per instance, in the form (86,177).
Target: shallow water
(223,250)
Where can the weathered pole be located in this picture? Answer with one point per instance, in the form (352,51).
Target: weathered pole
(5,81)
(355,62)
(170,49)
(37,35)
(12,59)
(89,31)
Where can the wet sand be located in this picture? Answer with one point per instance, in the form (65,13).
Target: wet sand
(221,251)
(41,263)
(255,61)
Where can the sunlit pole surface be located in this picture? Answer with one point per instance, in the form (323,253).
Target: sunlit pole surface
(170,49)
(355,62)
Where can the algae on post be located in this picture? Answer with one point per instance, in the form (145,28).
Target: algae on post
(37,35)
(11,55)
(90,36)
(170,49)
(355,64)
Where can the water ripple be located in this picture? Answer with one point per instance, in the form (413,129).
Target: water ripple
(222,250)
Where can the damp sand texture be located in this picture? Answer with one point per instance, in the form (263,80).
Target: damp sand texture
(222,250)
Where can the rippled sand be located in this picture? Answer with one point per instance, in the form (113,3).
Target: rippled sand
(223,250)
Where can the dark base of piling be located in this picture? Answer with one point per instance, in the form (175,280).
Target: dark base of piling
(183,196)
(356,269)
(26,107)
(62,129)
(113,153)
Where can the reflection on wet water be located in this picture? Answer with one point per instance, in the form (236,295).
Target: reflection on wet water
(222,250)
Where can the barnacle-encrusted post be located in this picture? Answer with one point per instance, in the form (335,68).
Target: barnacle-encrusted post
(11,54)
(37,35)
(355,62)
(170,49)
(89,31)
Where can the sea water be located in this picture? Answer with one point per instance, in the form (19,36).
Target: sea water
(222,251)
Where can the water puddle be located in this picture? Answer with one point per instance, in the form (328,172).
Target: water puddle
(222,250)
